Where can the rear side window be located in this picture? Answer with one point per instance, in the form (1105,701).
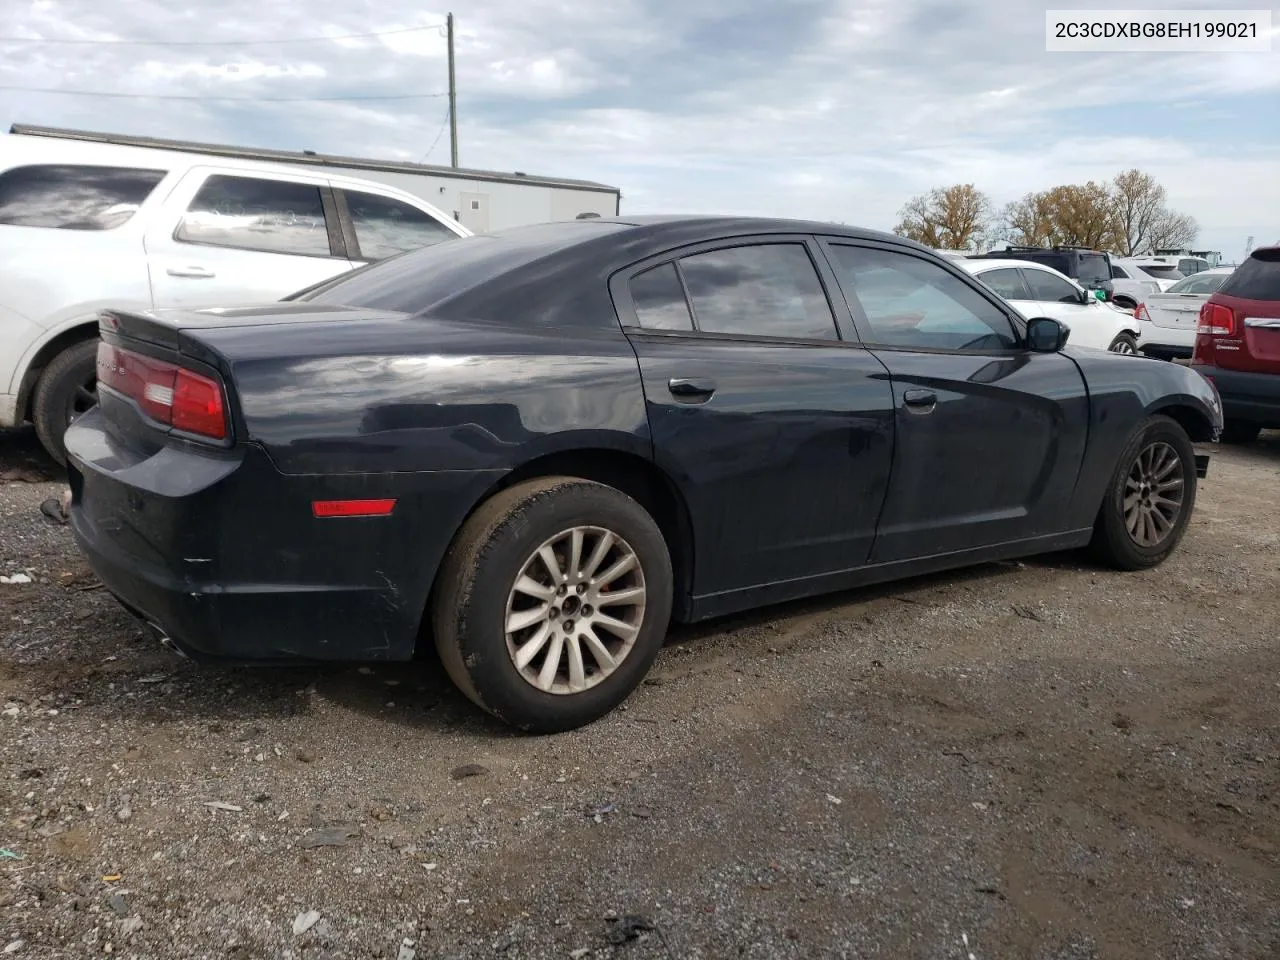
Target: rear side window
(1117,273)
(74,197)
(764,290)
(659,299)
(251,213)
(385,227)
(1258,278)
(1162,271)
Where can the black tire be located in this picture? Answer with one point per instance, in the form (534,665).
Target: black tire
(1112,542)
(1125,343)
(1240,431)
(64,392)
(470,605)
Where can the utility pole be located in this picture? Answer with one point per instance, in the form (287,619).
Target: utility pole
(453,97)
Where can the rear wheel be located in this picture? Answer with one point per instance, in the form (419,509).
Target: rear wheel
(553,602)
(1149,500)
(1125,343)
(1240,431)
(67,388)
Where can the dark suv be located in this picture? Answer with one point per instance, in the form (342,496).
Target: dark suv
(1089,268)
(1238,345)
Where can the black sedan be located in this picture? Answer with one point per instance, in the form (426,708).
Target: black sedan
(538,448)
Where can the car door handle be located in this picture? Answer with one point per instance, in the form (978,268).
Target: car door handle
(693,388)
(920,401)
(198,273)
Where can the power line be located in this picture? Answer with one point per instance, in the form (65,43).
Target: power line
(219,43)
(440,133)
(178,96)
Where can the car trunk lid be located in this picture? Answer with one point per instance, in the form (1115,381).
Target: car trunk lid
(1175,311)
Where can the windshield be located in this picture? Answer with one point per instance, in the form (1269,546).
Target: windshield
(1202,283)
(1094,270)
(415,281)
(1162,271)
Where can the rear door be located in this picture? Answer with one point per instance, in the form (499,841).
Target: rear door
(1008,282)
(229,237)
(777,426)
(990,436)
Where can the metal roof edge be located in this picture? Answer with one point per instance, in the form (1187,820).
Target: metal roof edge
(308,157)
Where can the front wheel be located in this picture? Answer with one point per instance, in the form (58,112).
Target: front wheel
(1125,343)
(553,603)
(1149,500)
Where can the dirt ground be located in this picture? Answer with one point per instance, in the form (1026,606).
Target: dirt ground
(1027,760)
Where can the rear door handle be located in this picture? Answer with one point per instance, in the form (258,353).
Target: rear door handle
(695,388)
(198,273)
(920,401)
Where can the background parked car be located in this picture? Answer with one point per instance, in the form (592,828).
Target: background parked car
(1035,290)
(1238,345)
(1167,321)
(1169,270)
(84,225)
(545,443)
(1091,269)
(1129,283)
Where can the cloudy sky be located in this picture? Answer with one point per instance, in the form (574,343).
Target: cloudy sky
(831,109)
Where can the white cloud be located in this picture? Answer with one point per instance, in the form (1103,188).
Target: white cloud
(834,109)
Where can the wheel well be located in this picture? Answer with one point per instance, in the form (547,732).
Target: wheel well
(44,356)
(1125,301)
(1199,428)
(639,479)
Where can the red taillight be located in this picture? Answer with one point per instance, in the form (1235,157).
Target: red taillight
(1217,321)
(1140,313)
(166,393)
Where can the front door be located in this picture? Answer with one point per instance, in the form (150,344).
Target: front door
(226,237)
(1092,323)
(777,431)
(990,436)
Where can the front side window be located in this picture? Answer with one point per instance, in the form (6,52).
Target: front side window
(251,213)
(74,197)
(913,303)
(385,227)
(1047,288)
(1006,282)
(1117,273)
(764,290)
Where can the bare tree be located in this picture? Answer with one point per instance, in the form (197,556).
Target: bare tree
(1083,215)
(955,218)
(1173,231)
(1029,222)
(1139,206)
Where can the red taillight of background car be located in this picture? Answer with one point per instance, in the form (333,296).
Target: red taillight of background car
(1217,320)
(166,393)
(1140,313)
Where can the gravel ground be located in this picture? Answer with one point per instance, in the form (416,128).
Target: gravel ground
(1027,760)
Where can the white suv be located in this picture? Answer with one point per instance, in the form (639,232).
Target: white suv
(1035,290)
(88,225)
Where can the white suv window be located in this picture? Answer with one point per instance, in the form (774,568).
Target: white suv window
(385,227)
(73,196)
(251,213)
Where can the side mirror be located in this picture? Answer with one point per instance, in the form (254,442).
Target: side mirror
(1046,335)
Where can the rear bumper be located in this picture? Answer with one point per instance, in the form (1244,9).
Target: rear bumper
(1166,343)
(220,553)
(1252,397)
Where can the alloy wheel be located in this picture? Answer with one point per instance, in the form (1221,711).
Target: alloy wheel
(1153,494)
(575,610)
(82,399)
(1125,347)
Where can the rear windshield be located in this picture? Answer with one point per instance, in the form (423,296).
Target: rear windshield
(1094,270)
(1162,271)
(1258,278)
(417,280)
(1200,283)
